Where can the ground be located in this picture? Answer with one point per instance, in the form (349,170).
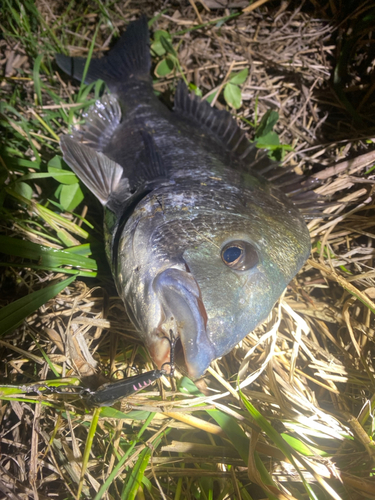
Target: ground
(303,425)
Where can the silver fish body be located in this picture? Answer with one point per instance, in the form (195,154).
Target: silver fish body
(199,243)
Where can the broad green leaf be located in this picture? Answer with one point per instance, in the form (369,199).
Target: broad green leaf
(197,91)
(56,162)
(63,176)
(211,97)
(13,314)
(268,140)
(57,167)
(164,67)
(240,77)
(233,95)
(267,123)
(157,46)
(23,189)
(162,33)
(71,196)
(168,47)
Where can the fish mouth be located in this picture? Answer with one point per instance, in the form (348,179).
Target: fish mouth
(184,314)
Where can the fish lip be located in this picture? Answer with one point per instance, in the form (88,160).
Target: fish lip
(184,313)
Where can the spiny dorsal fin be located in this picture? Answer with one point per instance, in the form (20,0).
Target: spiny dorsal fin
(100,174)
(129,58)
(218,122)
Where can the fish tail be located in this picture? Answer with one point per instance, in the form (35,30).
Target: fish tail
(128,60)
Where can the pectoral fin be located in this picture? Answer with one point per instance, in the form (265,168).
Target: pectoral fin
(100,174)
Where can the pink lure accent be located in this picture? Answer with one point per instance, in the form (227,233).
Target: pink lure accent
(140,386)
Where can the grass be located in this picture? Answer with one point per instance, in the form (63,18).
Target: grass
(302,424)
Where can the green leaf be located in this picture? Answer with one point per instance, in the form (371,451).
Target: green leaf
(57,167)
(211,97)
(197,91)
(23,189)
(157,46)
(164,67)
(267,123)
(167,46)
(233,95)
(268,140)
(240,77)
(162,33)
(56,162)
(63,176)
(71,196)
(13,314)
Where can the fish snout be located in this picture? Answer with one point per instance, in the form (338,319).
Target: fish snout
(184,313)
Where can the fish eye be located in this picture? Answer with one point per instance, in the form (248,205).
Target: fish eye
(239,255)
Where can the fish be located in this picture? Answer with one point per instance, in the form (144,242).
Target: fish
(200,242)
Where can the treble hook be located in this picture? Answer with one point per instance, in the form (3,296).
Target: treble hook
(172,342)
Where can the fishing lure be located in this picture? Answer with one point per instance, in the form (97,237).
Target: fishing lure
(109,393)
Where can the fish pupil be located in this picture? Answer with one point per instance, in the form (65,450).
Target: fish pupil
(231,254)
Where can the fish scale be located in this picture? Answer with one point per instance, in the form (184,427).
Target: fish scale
(199,242)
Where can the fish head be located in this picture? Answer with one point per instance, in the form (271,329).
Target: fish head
(208,272)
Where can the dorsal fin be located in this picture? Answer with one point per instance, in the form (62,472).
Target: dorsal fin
(219,122)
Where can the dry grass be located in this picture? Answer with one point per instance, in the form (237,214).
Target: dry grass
(308,371)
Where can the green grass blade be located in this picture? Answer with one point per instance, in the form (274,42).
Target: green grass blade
(36,78)
(121,462)
(13,314)
(136,474)
(47,257)
(45,356)
(278,440)
(86,453)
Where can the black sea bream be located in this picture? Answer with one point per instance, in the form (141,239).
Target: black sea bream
(199,243)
